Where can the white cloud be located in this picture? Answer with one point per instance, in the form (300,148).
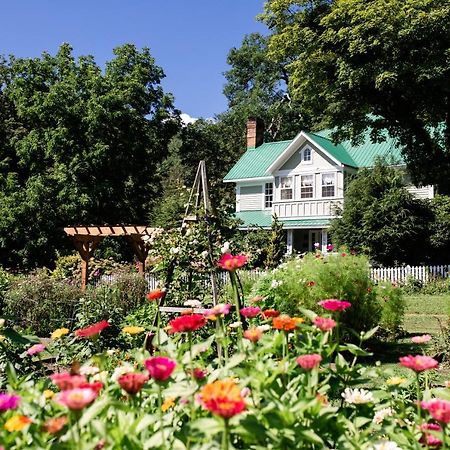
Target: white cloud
(186,118)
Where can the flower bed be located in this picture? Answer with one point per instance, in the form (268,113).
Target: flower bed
(227,378)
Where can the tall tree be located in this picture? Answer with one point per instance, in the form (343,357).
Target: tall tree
(379,64)
(381,218)
(77,145)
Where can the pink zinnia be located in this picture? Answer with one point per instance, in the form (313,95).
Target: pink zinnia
(421,339)
(199,374)
(333,304)
(218,310)
(92,330)
(428,438)
(439,409)
(160,368)
(132,382)
(232,262)
(250,311)
(308,362)
(253,334)
(324,323)
(9,401)
(66,381)
(36,348)
(76,399)
(418,363)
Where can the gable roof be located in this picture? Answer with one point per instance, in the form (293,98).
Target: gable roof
(255,162)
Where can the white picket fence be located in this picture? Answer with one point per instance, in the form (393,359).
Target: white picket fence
(393,274)
(401,274)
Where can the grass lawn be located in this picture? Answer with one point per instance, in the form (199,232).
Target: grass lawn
(423,313)
(422,316)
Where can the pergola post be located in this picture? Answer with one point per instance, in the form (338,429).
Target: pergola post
(140,251)
(86,246)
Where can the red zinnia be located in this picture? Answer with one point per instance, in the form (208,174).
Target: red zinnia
(97,386)
(132,382)
(324,323)
(187,323)
(418,363)
(333,304)
(199,374)
(308,362)
(160,368)
(232,262)
(156,294)
(93,329)
(268,313)
(250,311)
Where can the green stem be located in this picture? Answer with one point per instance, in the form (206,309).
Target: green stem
(419,408)
(225,435)
(161,416)
(237,304)
(444,436)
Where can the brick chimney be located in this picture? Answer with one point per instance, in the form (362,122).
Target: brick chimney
(255,132)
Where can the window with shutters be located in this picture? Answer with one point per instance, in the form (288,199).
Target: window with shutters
(328,184)
(286,188)
(307,186)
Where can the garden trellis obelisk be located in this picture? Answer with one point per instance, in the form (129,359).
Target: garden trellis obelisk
(198,199)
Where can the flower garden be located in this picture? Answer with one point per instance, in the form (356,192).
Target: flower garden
(243,374)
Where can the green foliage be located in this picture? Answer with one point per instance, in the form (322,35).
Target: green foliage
(276,248)
(440,227)
(40,303)
(69,268)
(381,218)
(381,65)
(301,283)
(67,127)
(5,281)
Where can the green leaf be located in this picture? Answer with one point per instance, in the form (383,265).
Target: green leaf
(310,436)
(368,334)
(17,338)
(94,410)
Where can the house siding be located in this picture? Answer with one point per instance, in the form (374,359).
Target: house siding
(250,198)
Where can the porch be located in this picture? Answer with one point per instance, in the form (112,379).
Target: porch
(307,240)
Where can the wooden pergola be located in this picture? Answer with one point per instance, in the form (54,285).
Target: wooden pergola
(87,238)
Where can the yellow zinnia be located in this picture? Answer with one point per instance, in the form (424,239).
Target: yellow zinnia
(59,333)
(48,394)
(17,423)
(168,403)
(133,330)
(395,381)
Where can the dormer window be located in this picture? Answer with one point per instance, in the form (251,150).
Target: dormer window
(306,155)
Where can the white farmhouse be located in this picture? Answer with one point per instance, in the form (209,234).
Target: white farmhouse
(301,181)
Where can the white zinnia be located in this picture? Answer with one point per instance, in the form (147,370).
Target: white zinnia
(225,248)
(121,370)
(89,370)
(381,414)
(385,445)
(357,396)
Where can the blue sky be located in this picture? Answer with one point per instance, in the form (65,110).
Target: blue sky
(189,39)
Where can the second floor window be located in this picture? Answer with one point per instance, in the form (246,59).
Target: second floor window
(306,186)
(286,188)
(268,195)
(328,184)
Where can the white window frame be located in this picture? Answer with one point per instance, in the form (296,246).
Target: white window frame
(322,185)
(268,194)
(311,177)
(302,155)
(287,189)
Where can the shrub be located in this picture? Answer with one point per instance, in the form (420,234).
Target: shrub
(40,303)
(5,281)
(301,283)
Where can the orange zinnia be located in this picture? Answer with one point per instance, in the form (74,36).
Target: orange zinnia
(223,398)
(286,323)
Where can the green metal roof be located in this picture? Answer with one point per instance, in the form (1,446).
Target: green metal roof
(338,151)
(264,219)
(366,153)
(255,161)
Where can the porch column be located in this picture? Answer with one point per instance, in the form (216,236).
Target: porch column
(289,241)
(324,241)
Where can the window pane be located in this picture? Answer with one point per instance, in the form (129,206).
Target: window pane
(286,194)
(328,184)
(307,154)
(268,195)
(306,186)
